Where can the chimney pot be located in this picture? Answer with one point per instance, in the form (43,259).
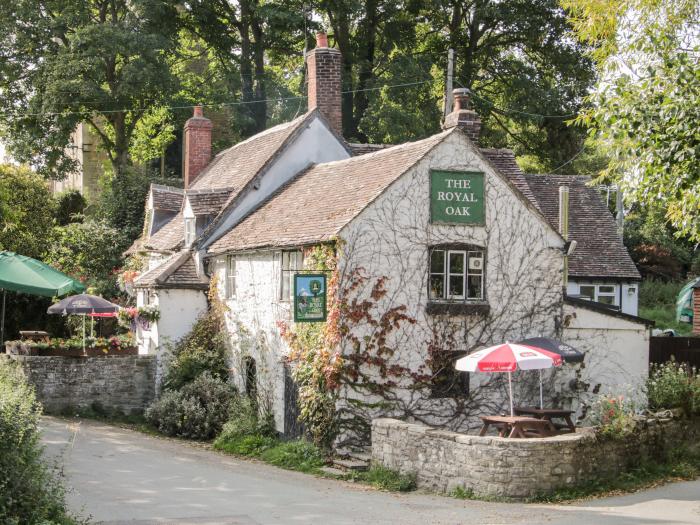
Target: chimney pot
(198,111)
(462,98)
(321,39)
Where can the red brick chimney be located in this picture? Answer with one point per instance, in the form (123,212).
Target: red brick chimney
(324,65)
(462,116)
(696,309)
(197,150)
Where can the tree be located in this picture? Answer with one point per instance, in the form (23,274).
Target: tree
(27,211)
(104,62)
(89,251)
(646,107)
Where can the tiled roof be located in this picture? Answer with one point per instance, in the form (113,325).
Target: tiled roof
(599,251)
(318,203)
(235,167)
(170,237)
(207,202)
(504,161)
(177,271)
(362,149)
(166,197)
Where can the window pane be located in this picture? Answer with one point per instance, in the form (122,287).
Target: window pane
(474,287)
(588,292)
(456,262)
(606,299)
(437,261)
(437,287)
(606,289)
(457,286)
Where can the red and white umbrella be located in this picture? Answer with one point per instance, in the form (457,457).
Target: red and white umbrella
(509,357)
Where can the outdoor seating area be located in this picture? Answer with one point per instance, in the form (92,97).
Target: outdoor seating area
(531,354)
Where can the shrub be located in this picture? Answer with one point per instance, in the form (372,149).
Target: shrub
(196,411)
(202,350)
(295,455)
(30,492)
(673,385)
(614,416)
(387,479)
(246,420)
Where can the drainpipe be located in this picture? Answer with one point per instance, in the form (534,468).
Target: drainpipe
(564,228)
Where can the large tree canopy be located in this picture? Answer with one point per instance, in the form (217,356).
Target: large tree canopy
(104,62)
(646,108)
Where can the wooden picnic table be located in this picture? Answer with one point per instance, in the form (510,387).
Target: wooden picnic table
(549,414)
(518,426)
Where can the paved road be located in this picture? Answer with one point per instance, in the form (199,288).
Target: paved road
(120,476)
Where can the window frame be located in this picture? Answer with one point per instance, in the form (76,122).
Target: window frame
(230,275)
(467,251)
(597,293)
(287,273)
(190,230)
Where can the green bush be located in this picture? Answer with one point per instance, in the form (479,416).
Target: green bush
(295,455)
(657,292)
(30,492)
(673,385)
(202,350)
(613,415)
(387,479)
(198,410)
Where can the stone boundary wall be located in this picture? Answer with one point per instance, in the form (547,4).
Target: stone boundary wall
(111,383)
(519,468)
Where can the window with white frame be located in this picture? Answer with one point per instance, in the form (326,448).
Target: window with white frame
(190,230)
(230,276)
(456,274)
(292,262)
(601,293)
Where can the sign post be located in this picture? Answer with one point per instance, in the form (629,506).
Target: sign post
(457,197)
(309,298)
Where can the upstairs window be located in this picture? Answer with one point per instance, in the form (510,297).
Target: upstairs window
(190,231)
(292,262)
(601,293)
(456,275)
(230,276)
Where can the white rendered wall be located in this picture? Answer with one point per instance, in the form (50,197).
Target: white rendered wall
(314,145)
(627,293)
(617,354)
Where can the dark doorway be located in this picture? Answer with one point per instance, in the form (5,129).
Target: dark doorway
(251,379)
(293,428)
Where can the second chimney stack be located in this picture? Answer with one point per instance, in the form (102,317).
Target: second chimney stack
(463,116)
(324,66)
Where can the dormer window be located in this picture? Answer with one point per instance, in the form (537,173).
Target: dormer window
(190,231)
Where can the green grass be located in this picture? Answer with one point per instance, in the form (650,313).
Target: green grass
(462,493)
(665,317)
(386,479)
(682,465)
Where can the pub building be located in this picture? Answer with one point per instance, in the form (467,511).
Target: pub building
(447,246)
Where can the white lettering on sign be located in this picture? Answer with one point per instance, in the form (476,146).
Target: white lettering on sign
(459,184)
(463,211)
(454,196)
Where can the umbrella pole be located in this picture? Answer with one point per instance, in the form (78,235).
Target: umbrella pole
(541,401)
(83,334)
(510,390)
(2,322)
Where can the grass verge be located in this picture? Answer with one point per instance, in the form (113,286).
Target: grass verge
(681,465)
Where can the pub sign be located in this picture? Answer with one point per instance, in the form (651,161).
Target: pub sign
(456,197)
(309,298)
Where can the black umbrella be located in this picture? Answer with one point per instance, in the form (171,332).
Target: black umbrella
(567,352)
(83,304)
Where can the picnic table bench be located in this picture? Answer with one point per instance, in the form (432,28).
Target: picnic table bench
(518,426)
(34,335)
(549,414)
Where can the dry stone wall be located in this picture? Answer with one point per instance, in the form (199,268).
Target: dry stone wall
(518,468)
(110,383)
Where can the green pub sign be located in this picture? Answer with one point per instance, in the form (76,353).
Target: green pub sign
(457,197)
(309,298)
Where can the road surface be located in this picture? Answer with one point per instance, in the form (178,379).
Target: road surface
(120,476)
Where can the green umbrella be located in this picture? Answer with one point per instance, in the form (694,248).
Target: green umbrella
(19,273)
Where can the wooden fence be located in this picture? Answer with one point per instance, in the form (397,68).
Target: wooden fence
(683,350)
